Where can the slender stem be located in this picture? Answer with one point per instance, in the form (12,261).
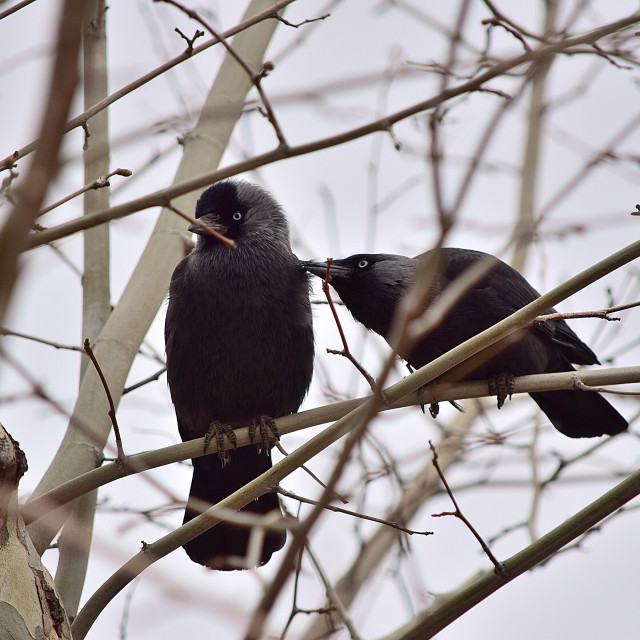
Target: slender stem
(112,407)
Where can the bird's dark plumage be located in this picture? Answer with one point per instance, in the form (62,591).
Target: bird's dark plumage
(239,346)
(372,285)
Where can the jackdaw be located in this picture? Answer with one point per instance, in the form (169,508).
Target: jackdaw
(239,345)
(372,285)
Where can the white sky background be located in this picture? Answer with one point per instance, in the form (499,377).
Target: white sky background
(331,198)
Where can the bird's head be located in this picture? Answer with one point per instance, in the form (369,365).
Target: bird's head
(369,284)
(239,210)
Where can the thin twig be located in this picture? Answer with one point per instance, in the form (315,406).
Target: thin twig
(14,8)
(189,41)
(294,608)
(112,408)
(80,120)
(458,514)
(212,232)
(355,514)
(517,29)
(49,343)
(603,313)
(333,596)
(299,24)
(151,378)
(98,183)
(312,475)
(535,483)
(256,78)
(345,352)
(564,463)
(583,387)
(609,58)
(494,22)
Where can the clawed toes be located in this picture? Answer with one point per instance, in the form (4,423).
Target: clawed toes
(268,433)
(219,430)
(502,386)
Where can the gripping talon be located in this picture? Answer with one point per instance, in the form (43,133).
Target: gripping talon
(268,433)
(502,386)
(219,430)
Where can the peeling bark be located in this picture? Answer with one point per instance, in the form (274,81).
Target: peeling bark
(30,607)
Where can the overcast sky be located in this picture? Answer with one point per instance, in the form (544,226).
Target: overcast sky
(366,60)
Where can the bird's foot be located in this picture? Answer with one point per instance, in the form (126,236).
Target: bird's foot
(502,387)
(434,408)
(268,435)
(219,430)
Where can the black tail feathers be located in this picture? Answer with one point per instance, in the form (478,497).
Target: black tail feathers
(580,414)
(211,483)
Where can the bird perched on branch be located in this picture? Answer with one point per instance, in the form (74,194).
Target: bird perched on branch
(371,287)
(239,345)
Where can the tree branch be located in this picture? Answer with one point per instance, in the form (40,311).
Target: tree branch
(164,196)
(39,506)
(450,606)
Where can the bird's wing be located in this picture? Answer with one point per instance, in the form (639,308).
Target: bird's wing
(505,290)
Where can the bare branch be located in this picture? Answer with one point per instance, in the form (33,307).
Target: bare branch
(581,385)
(604,314)
(256,78)
(345,351)
(189,41)
(55,345)
(458,513)
(98,183)
(14,8)
(164,196)
(307,21)
(90,480)
(151,378)
(112,407)
(451,606)
(212,232)
(81,120)
(30,195)
(355,514)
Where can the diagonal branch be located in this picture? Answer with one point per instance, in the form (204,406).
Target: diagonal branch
(79,121)
(449,607)
(164,196)
(40,506)
(256,78)
(112,407)
(458,512)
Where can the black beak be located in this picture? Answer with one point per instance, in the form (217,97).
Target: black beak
(320,268)
(194,228)
(208,222)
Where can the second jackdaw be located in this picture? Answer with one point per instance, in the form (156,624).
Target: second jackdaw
(371,286)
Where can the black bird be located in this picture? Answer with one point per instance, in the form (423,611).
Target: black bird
(372,285)
(239,345)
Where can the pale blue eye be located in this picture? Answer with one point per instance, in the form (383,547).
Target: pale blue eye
(362,264)
(237,216)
